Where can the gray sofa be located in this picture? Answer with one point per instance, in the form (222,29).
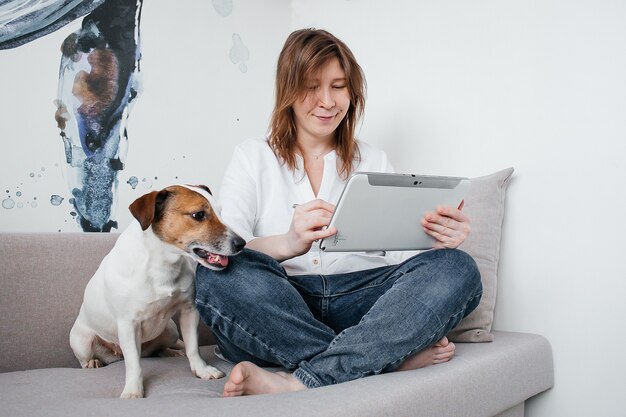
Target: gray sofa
(43,278)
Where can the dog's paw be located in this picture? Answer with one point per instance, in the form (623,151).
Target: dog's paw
(93,363)
(208,372)
(131,395)
(132,391)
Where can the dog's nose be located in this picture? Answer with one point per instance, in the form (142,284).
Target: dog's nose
(238,243)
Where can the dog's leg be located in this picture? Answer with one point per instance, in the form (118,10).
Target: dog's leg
(165,345)
(106,352)
(81,340)
(129,334)
(189,319)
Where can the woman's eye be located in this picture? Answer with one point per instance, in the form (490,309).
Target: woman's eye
(339,87)
(199,216)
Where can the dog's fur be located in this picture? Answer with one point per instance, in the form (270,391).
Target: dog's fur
(149,276)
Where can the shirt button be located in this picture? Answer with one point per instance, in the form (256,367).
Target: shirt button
(315,261)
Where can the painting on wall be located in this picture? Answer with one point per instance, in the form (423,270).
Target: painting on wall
(98,78)
(98,85)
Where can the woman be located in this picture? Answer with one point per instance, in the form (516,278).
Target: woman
(328,317)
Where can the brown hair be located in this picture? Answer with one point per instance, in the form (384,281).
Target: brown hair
(304,53)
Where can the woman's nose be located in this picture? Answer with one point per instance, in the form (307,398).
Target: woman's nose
(326,98)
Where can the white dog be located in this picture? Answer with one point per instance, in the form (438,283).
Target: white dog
(149,276)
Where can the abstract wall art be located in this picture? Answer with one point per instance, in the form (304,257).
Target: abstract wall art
(98,84)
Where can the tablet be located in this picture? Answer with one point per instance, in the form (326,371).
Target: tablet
(380,211)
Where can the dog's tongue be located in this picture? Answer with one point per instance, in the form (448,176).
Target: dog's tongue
(217,259)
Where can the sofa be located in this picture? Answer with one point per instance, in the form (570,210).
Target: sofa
(43,276)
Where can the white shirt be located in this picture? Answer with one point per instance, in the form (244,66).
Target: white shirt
(258,193)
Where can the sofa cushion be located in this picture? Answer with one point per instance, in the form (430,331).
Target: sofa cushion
(484,205)
(486,379)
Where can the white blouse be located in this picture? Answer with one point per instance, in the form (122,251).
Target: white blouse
(258,194)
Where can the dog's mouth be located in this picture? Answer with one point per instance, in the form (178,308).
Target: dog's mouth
(213,259)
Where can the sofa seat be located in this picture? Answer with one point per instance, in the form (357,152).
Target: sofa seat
(483,379)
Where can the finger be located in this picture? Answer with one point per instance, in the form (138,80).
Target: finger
(439,217)
(441,240)
(456,231)
(322,234)
(317,204)
(314,220)
(441,224)
(456,214)
(460,228)
(321,213)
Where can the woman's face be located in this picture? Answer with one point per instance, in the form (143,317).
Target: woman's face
(325,105)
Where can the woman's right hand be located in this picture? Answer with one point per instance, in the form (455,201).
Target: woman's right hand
(307,226)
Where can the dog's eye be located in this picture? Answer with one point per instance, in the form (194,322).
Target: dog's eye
(199,216)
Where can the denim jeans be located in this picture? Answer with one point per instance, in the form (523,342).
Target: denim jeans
(335,328)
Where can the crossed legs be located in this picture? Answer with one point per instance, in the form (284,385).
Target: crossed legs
(259,318)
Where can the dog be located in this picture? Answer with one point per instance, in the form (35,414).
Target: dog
(146,278)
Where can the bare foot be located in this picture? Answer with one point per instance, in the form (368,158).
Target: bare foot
(440,352)
(248,379)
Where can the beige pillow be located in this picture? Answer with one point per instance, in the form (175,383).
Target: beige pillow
(484,205)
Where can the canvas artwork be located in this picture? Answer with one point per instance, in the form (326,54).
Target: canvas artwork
(98,78)
(98,84)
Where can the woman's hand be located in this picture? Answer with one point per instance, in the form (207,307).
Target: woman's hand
(306,225)
(449,226)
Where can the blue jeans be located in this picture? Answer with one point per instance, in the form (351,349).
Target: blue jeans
(335,328)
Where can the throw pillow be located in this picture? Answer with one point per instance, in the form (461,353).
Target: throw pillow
(484,205)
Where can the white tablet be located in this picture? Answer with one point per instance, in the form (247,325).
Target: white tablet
(379,211)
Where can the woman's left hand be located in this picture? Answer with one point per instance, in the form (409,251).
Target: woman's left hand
(449,226)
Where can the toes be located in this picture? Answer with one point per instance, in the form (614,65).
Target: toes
(232,390)
(443,342)
(443,354)
(444,349)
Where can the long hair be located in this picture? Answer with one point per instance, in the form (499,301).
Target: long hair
(305,52)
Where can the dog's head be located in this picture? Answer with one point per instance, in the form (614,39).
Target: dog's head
(184,216)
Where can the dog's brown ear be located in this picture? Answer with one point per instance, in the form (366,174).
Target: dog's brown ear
(148,207)
(143,209)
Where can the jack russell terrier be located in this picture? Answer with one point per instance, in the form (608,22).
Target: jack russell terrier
(149,276)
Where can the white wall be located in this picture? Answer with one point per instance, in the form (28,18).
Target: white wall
(469,87)
(455,87)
